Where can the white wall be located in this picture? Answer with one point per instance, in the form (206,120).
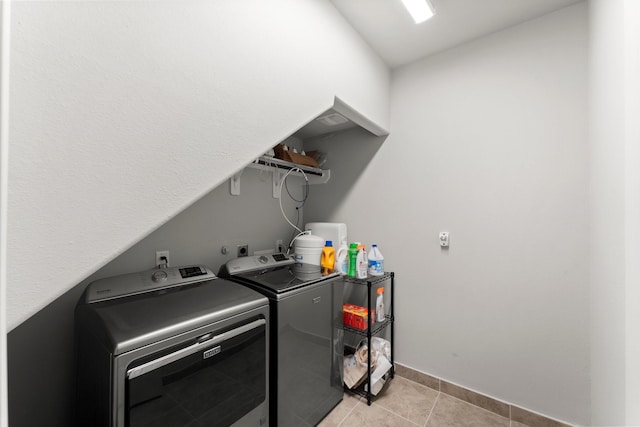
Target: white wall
(489,142)
(615,211)
(4,162)
(632,210)
(607,211)
(125,113)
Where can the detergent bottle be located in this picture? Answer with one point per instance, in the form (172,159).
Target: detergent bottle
(376,261)
(342,259)
(328,258)
(353,259)
(362,262)
(380,305)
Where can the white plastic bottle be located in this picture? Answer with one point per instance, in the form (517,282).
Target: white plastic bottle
(362,263)
(376,261)
(342,259)
(380,305)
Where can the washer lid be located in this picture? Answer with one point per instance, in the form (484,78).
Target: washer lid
(254,263)
(285,278)
(125,324)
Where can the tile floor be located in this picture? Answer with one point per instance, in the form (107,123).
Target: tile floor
(407,403)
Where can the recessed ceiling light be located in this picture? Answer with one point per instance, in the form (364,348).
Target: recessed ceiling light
(420,10)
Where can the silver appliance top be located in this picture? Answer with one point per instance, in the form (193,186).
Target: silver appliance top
(274,274)
(255,263)
(125,324)
(126,285)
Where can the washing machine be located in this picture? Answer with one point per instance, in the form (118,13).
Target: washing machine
(172,347)
(307,341)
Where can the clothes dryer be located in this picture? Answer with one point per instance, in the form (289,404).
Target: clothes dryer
(172,347)
(307,342)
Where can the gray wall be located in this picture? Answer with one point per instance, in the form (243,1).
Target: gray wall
(488,142)
(40,350)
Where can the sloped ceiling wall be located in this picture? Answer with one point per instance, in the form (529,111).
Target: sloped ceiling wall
(125,113)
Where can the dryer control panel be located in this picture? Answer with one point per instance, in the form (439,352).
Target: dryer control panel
(146,281)
(256,262)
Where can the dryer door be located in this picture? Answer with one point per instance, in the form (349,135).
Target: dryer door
(220,378)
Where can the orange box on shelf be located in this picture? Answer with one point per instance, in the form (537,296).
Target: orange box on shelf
(356,316)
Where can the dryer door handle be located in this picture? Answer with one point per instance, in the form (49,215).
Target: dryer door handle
(194,348)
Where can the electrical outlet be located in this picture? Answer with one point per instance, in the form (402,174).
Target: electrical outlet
(162,257)
(279,246)
(243,250)
(444,239)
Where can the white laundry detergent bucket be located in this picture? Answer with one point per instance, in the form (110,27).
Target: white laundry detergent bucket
(308,249)
(306,272)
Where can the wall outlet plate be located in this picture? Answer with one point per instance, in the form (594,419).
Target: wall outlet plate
(243,250)
(159,258)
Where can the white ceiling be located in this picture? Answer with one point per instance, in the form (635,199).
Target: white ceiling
(390,31)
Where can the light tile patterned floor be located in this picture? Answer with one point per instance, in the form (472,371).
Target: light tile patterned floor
(407,403)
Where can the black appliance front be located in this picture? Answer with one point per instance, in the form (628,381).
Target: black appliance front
(206,381)
(306,341)
(194,356)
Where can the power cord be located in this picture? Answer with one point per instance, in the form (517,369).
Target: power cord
(163,262)
(282,182)
(302,233)
(306,192)
(293,234)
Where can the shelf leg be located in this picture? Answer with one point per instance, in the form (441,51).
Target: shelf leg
(369,343)
(393,321)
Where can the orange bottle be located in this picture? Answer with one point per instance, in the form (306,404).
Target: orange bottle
(328,258)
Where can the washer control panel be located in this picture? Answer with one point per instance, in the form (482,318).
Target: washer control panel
(256,262)
(146,281)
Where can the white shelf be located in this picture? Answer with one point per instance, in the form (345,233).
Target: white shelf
(279,168)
